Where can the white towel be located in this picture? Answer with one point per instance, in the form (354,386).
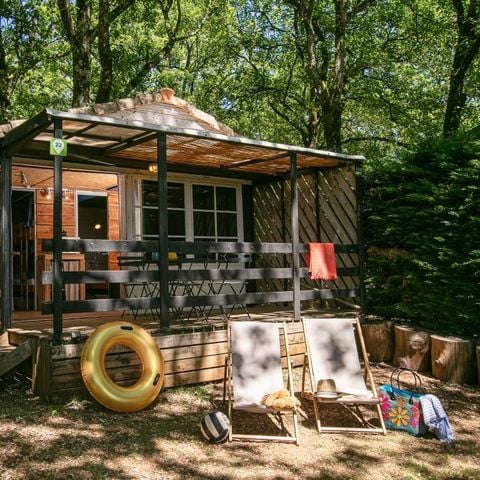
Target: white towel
(435,418)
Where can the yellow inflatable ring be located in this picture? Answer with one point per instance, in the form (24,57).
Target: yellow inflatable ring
(98,381)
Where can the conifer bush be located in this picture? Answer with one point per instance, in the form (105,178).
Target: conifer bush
(422,234)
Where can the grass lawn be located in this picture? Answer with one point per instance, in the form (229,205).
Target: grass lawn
(78,439)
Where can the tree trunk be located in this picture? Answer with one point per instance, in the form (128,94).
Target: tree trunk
(412,349)
(104,53)
(78,35)
(332,115)
(4,100)
(478,363)
(379,341)
(452,359)
(81,77)
(466,49)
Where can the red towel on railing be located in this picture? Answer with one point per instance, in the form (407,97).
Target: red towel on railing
(321,261)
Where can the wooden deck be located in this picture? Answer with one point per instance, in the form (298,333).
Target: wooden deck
(194,352)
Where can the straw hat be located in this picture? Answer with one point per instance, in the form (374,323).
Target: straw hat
(326,385)
(326,388)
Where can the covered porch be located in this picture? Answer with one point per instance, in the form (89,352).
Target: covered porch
(296,196)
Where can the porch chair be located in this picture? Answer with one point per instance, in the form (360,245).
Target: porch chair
(254,369)
(332,358)
(231,286)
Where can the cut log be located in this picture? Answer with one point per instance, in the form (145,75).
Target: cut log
(379,341)
(412,349)
(453,359)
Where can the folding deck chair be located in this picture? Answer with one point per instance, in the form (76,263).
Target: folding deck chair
(254,369)
(332,354)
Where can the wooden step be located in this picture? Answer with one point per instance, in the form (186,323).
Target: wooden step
(16,355)
(6,349)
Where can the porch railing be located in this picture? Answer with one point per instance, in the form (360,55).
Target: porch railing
(189,251)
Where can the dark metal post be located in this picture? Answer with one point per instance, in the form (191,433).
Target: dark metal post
(318,212)
(6,222)
(57,241)
(361,245)
(163,228)
(283,214)
(295,236)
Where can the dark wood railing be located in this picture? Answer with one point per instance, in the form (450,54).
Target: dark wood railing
(183,270)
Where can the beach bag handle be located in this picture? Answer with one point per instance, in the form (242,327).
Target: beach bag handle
(399,371)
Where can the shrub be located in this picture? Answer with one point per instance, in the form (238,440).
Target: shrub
(422,233)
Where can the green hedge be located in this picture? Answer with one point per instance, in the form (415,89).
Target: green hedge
(422,233)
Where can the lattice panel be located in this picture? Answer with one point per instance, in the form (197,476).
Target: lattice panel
(331,193)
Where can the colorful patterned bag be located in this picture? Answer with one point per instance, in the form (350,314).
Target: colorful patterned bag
(401,409)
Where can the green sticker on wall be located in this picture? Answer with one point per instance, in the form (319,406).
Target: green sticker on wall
(58,147)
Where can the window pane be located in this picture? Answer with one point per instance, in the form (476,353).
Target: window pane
(149,194)
(203,197)
(226,199)
(203,224)
(176,223)
(150,221)
(176,196)
(227,224)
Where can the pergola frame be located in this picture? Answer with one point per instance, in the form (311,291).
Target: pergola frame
(240,157)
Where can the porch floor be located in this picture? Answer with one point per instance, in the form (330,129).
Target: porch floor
(193,351)
(33,324)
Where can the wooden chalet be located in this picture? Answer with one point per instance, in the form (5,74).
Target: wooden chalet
(161,215)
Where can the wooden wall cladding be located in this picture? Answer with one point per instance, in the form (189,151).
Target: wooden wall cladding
(42,178)
(327,213)
(190,358)
(44,217)
(113,219)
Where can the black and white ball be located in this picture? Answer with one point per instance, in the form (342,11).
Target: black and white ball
(215,427)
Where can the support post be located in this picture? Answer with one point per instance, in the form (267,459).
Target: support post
(57,240)
(318,211)
(283,213)
(360,240)
(163,228)
(295,236)
(6,222)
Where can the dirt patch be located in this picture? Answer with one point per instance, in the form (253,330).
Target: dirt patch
(79,439)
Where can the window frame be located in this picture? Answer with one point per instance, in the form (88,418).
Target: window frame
(188,181)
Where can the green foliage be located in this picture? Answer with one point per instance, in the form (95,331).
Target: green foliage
(422,232)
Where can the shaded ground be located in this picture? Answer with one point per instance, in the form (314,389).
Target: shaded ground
(79,439)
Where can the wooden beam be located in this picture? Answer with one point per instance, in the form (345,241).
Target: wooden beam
(361,244)
(193,275)
(25,132)
(6,240)
(295,236)
(254,161)
(126,246)
(57,241)
(146,303)
(162,194)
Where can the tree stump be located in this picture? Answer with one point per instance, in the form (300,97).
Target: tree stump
(379,341)
(452,359)
(412,349)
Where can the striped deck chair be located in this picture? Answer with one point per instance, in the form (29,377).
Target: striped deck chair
(332,358)
(254,369)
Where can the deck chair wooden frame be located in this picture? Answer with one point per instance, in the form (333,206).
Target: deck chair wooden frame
(356,382)
(248,336)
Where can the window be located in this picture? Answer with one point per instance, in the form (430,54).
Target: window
(214,213)
(196,212)
(176,210)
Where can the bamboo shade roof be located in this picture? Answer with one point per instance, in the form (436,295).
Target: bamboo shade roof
(124,134)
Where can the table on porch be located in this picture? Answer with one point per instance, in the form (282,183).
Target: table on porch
(186,284)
